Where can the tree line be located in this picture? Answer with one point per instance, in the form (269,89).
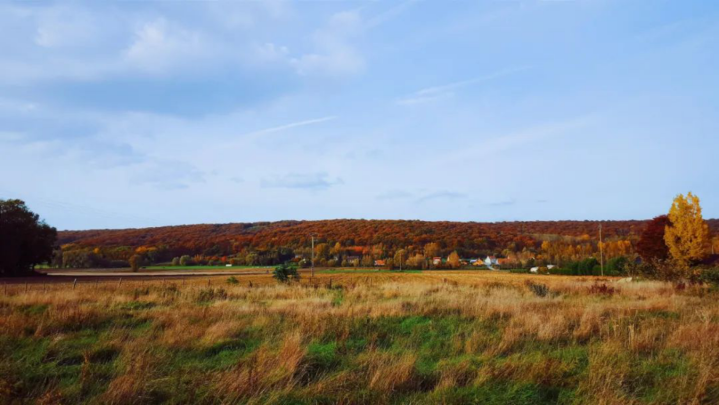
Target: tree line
(571,247)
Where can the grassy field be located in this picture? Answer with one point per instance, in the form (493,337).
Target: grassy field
(155,268)
(357,337)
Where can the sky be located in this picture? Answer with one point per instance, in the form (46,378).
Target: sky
(121,114)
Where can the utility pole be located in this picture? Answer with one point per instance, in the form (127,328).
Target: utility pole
(601,250)
(312,276)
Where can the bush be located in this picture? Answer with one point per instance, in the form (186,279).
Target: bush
(211,294)
(185,260)
(286,272)
(616,266)
(519,271)
(562,271)
(602,289)
(540,290)
(233,280)
(176,261)
(710,276)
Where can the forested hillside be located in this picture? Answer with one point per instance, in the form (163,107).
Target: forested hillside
(270,242)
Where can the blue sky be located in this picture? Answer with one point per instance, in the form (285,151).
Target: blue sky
(147,113)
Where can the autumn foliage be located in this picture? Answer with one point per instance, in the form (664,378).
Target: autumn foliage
(355,241)
(651,245)
(687,237)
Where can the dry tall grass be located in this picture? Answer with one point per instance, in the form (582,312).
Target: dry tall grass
(451,337)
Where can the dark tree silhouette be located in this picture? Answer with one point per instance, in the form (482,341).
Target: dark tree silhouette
(25,240)
(651,245)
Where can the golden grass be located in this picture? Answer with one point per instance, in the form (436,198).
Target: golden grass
(644,342)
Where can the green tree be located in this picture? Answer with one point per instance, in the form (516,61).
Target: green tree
(286,272)
(25,240)
(687,235)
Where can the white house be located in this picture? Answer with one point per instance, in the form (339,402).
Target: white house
(491,261)
(534,270)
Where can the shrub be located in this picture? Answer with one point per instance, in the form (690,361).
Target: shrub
(211,294)
(540,290)
(286,272)
(233,280)
(176,261)
(616,266)
(601,289)
(710,276)
(185,260)
(519,271)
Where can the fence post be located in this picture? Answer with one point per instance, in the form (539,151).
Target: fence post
(74,283)
(119,283)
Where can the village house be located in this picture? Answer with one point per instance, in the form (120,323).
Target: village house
(491,261)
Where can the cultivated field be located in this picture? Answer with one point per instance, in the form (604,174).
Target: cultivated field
(360,337)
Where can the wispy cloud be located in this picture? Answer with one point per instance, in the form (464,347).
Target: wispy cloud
(441,195)
(394,195)
(502,143)
(437,92)
(289,126)
(390,14)
(168,174)
(504,203)
(310,181)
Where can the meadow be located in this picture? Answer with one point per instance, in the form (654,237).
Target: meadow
(348,337)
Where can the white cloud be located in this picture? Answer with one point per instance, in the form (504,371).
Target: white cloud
(160,46)
(334,52)
(67,27)
(269,52)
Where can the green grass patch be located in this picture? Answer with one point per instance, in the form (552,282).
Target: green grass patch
(223,267)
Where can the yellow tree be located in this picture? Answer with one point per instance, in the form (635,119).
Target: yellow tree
(431,250)
(453,260)
(688,235)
